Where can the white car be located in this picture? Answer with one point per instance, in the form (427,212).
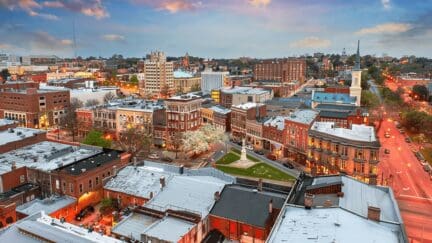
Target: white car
(249,147)
(153,156)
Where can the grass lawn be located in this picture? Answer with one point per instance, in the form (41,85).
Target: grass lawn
(247,155)
(260,170)
(427,153)
(228,159)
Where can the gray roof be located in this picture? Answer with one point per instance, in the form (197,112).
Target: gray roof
(134,225)
(169,229)
(246,205)
(49,205)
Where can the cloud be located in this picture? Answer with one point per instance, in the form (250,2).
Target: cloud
(311,42)
(172,6)
(93,8)
(386,4)
(31,7)
(259,3)
(113,37)
(388,28)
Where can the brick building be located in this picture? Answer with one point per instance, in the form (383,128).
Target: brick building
(354,151)
(84,118)
(274,135)
(34,108)
(240,95)
(241,113)
(221,118)
(18,137)
(183,113)
(285,71)
(279,89)
(342,115)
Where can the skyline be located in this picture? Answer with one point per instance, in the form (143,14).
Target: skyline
(215,29)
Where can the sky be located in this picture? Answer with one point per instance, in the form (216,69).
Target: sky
(215,28)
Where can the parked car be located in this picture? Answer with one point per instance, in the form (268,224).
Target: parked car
(260,152)
(288,165)
(408,140)
(249,147)
(84,212)
(153,156)
(387,151)
(402,131)
(271,156)
(167,159)
(387,135)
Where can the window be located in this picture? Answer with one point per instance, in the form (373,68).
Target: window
(373,155)
(97,180)
(22,178)
(344,151)
(71,189)
(57,184)
(90,184)
(342,164)
(80,188)
(359,154)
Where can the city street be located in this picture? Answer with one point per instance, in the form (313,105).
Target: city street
(411,184)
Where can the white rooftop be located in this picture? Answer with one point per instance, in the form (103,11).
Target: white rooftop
(48,205)
(41,227)
(45,156)
(134,225)
(357,132)
(220,109)
(244,90)
(182,74)
(277,121)
(325,225)
(185,97)
(302,116)
(191,193)
(138,181)
(169,229)
(247,106)
(16,134)
(4,122)
(140,105)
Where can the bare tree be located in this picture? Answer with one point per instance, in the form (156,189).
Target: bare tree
(109,97)
(135,141)
(176,142)
(69,120)
(91,102)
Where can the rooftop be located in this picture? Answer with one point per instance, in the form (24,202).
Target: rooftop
(17,134)
(277,121)
(220,109)
(361,133)
(5,122)
(45,156)
(325,225)
(244,90)
(333,98)
(96,160)
(134,225)
(302,116)
(140,105)
(42,228)
(186,97)
(48,205)
(246,205)
(182,74)
(247,106)
(169,229)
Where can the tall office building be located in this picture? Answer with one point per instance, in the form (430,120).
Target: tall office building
(212,80)
(285,71)
(159,79)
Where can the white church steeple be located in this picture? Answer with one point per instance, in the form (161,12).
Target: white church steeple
(355,89)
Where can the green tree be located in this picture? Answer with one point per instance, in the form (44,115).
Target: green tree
(369,99)
(134,79)
(4,74)
(421,91)
(96,138)
(416,120)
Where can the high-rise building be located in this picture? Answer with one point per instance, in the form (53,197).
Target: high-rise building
(212,80)
(159,79)
(285,71)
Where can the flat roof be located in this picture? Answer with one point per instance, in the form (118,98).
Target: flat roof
(96,160)
(17,134)
(247,106)
(220,109)
(244,90)
(333,98)
(277,121)
(182,74)
(361,133)
(134,225)
(323,225)
(140,105)
(169,229)
(138,181)
(41,227)
(5,122)
(48,205)
(46,156)
(303,116)
(246,205)
(185,97)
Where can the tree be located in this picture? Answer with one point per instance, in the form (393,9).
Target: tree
(96,138)
(200,140)
(134,79)
(416,120)
(420,91)
(109,97)
(69,120)
(176,142)
(4,74)
(135,141)
(91,102)
(369,99)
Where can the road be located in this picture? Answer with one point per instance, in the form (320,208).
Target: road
(411,184)
(291,172)
(374,89)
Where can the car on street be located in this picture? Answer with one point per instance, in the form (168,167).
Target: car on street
(260,152)
(249,147)
(387,135)
(288,165)
(387,151)
(153,156)
(408,140)
(271,157)
(401,131)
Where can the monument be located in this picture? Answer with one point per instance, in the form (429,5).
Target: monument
(243,155)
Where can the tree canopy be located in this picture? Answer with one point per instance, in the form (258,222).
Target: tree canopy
(96,138)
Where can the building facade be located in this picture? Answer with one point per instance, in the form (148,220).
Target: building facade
(284,71)
(212,80)
(159,78)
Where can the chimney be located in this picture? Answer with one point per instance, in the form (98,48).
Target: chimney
(181,169)
(374,213)
(134,161)
(162,181)
(308,200)
(151,195)
(270,206)
(13,166)
(260,184)
(114,170)
(217,196)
